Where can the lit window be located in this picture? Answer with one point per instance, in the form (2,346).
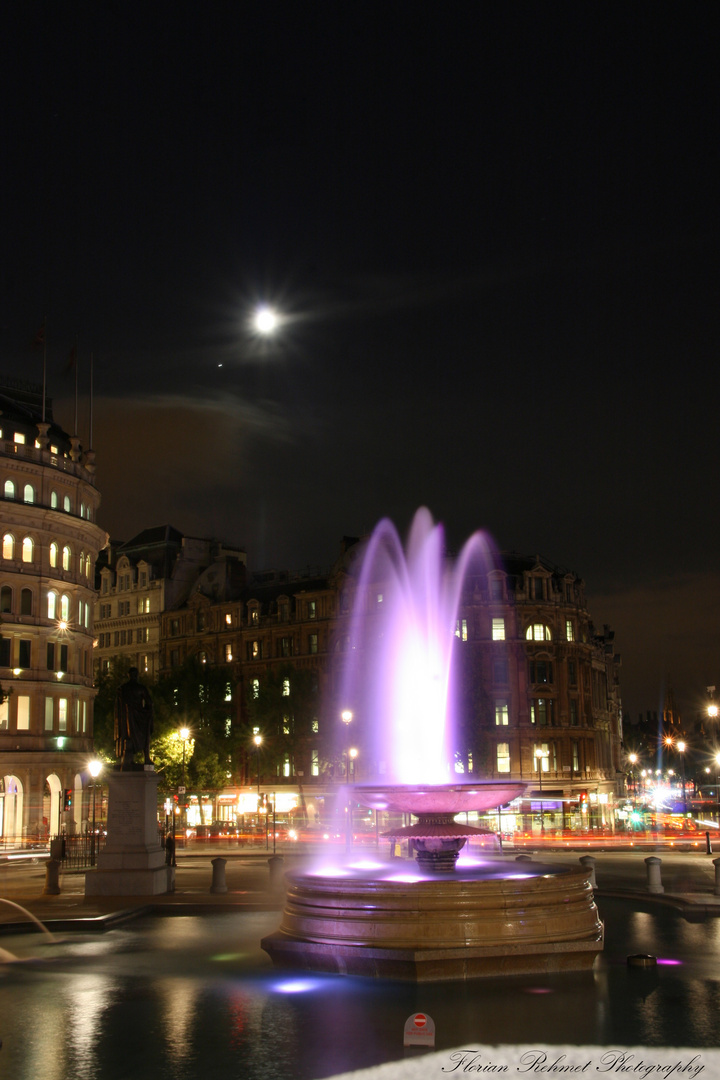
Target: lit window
(379,598)
(62,714)
(254,617)
(315,727)
(312,643)
(501,713)
(286,765)
(19,438)
(54,500)
(52,605)
(9,489)
(315,762)
(27,549)
(255,685)
(569,634)
(64,607)
(8,548)
(461,629)
(66,504)
(312,609)
(286,725)
(88,566)
(48,714)
(53,554)
(286,688)
(228,618)
(503,757)
(29,493)
(228,691)
(538,632)
(66,558)
(498,629)
(228,653)
(23,713)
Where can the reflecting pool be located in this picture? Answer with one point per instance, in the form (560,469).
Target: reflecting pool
(184,997)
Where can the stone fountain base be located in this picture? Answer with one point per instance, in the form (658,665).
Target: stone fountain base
(542,920)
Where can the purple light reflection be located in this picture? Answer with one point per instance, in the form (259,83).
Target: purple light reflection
(670,963)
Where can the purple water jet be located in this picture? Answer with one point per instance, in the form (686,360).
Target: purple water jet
(398,677)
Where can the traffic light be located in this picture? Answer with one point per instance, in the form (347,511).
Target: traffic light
(67,800)
(583,801)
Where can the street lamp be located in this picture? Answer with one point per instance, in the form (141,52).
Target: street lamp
(712,709)
(539,755)
(94,768)
(257,739)
(632,758)
(346,717)
(184,734)
(681,746)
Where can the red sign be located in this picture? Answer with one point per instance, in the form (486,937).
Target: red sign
(420,1020)
(419,1030)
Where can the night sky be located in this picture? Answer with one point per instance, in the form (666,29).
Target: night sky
(492,231)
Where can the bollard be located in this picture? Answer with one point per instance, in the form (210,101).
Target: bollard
(276,864)
(218,878)
(716,864)
(588,863)
(708,844)
(654,881)
(52,882)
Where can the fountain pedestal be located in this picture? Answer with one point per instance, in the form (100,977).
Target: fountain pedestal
(133,861)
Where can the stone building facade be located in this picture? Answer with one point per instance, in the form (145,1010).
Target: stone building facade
(146,576)
(50,544)
(544,706)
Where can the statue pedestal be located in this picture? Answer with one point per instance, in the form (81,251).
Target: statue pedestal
(133,861)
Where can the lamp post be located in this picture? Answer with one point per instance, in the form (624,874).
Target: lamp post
(682,746)
(346,717)
(257,739)
(184,735)
(94,768)
(712,709)
(539,755)
(632,758)
(353,755)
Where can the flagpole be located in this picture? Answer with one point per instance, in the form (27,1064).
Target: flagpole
(77,364)
(91,399)
(44,366)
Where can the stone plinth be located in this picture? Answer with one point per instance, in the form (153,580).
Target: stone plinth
(133,861)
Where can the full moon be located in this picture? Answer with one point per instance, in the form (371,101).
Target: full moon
(265,320)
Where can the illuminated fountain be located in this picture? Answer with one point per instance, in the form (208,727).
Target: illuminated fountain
(431,920)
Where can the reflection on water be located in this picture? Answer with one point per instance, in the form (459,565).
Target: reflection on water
(180,998)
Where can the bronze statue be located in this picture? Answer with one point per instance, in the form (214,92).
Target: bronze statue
(133,721)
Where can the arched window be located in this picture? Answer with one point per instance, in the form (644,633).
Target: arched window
(64,607)
(29,493)
(26,598)
(9,489)
(8,546)
(87,566)
(66,557)
(54,500)
(538,632)
(6,599)
(66,503)
(53,554)
(82,509)
(52,605)
(27,549)
(82,562)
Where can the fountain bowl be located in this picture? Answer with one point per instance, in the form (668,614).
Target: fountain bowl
(400,923)
(453,799)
